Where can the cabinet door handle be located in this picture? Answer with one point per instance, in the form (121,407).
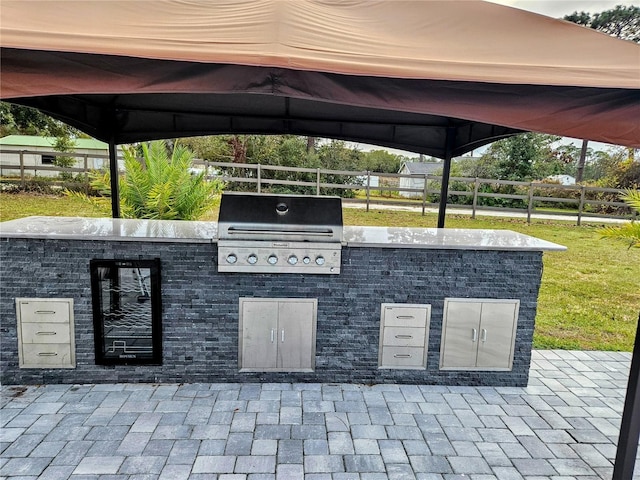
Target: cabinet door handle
(401,355)
(474,334)
(273,334)
(484,334)
(46,312)
(404,336)
(405,317)
(47,354)
(283,335)
(46,333)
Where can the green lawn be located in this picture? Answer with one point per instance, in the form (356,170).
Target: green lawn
(590,294)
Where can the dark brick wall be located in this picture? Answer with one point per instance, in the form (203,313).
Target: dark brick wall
(200,309)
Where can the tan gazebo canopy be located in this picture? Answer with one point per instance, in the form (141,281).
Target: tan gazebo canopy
(435,77)
(395,73)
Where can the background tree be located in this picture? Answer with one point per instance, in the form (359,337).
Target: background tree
(19,120)
(284,151)
(562,161)
(64,143)
(381,161)
(621,22)
(520,157)
(311,144)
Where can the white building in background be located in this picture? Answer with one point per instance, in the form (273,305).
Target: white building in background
(417,170)
(38,153)
(562,179)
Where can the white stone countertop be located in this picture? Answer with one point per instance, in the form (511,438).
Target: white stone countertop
(444,238)
(79,228)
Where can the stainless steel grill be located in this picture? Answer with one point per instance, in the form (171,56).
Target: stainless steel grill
(260,233)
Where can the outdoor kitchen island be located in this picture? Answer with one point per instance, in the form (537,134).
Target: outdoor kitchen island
(423,306)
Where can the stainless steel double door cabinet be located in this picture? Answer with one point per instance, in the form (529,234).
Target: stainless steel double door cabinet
(277,334)
(478,334)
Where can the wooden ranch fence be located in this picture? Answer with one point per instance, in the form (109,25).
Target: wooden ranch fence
(476,194)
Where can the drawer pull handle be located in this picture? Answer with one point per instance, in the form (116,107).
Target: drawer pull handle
(404,336)
(405,317)
(46,333)
(47,354)
(402,355)
(46,312)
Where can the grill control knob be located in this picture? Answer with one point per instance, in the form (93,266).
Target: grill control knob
(292,260)
(232,258)
(306,260)
(320,260)
(272,259)
(252,259)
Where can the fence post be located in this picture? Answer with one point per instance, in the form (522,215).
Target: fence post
(318,182)
(86,174)
(476,186)
(581,206)
(530,204)
(424,194)
(368,189)
(259,179)
(22,168)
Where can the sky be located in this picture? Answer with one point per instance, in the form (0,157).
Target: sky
(550,8)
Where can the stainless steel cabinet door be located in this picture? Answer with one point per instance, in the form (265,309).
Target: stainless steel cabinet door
(478,334)
(496,335)
(460,334)
(296,335)
(277,334)
(259,324)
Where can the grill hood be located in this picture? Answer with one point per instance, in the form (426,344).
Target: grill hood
(246,216)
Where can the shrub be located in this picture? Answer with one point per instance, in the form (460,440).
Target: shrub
(629,232)
(160,185)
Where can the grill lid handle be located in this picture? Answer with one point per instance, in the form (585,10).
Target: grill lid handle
(327,232)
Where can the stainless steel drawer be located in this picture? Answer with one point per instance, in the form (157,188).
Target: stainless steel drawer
(402,357)
(403,337)
(44,311)
(56,355)
(405,317)
(46,337)
(46,333)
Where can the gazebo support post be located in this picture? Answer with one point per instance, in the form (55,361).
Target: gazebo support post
(444,189)
(113,173)
(630,426)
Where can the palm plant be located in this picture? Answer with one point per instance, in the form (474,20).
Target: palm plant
(161,185)
(629,232)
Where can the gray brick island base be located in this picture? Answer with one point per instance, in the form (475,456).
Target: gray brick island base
(439,276)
